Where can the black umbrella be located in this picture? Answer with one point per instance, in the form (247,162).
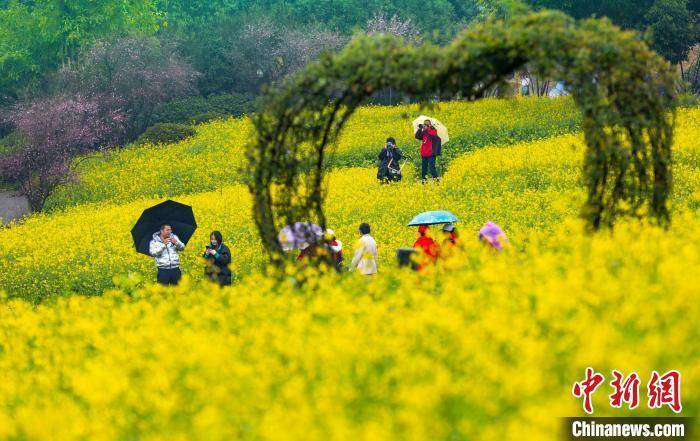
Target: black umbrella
(179,216)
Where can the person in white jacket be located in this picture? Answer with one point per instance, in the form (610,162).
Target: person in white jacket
(164,248)
(365,258)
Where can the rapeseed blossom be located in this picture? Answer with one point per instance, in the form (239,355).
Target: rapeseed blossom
(524,187)
(215,157)
(486,345)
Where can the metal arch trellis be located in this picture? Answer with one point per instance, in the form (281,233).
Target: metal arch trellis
(623,89)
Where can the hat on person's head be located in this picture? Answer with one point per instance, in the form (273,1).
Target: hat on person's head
(422,228)
(492,233)
(448,228)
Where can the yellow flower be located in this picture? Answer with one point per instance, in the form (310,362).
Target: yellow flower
(486,345)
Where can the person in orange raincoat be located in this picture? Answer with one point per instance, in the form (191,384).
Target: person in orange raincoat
(429,249)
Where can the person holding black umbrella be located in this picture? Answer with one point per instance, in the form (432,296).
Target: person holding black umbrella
(163,245)
(164,248)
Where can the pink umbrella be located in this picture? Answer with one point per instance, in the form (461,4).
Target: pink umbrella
(299,235)
(493,234)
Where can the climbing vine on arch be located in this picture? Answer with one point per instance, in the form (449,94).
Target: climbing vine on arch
(622,88)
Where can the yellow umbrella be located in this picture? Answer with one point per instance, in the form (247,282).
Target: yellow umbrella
(440,127)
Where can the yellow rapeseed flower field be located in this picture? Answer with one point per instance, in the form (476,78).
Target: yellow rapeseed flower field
(523,187)
(213,159)
(485,346)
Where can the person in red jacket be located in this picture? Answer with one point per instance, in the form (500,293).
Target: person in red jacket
(428,136)
(428,248)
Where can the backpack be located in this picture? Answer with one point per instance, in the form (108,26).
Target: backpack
(437,146)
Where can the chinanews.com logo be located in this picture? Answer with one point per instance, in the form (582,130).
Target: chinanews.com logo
(662,390)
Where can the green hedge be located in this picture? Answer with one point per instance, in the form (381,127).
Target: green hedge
(11,143)
(198,109)
(165,133)
(472,126)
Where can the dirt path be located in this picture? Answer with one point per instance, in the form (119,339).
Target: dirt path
(12,206)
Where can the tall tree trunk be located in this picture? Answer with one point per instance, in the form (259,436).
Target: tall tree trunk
(694,82)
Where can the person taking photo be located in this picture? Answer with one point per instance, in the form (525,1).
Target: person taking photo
(429,148)
(389,162)
(218,258)
(164,248)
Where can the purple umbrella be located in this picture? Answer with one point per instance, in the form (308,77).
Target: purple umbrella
(299,235)
(493,234)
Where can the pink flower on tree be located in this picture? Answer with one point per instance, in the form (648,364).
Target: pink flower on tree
(55,130)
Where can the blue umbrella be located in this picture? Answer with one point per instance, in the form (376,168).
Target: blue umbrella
(433,217)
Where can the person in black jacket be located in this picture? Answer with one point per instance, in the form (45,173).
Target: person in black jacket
(218,258)
(389,162)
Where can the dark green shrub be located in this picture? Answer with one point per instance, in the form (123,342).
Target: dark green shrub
(165,133)
(8,145)
(688,100)
(205,117)
(6,128)
(193,109)
(11,143)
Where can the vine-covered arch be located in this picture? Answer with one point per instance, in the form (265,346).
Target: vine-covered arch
(623,89)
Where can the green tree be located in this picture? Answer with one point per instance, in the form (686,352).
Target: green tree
(38,36)
(500,8)
(673,25)
(673,28)
(188,13)
(22,51)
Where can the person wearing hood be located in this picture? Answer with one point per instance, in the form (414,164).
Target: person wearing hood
(450,239)
(335,248)
(164,248)
(429,249)
(218,258)
(389,162)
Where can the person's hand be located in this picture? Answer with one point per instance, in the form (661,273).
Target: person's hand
(211,251)
(167,241)
(173,239)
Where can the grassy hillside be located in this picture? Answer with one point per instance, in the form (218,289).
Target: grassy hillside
(215,157)
(525,187)
(485,346)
